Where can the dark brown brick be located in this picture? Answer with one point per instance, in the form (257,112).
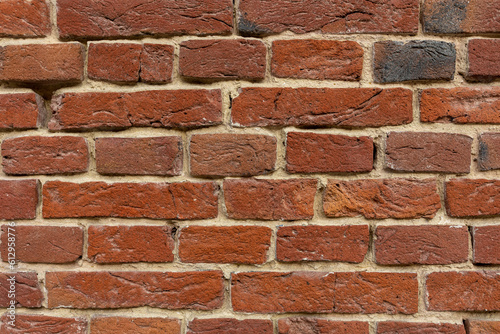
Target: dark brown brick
(489,151)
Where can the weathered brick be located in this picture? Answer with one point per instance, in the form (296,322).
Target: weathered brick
(414,60)
(382,198)
(115,18)
(27,290)
(340,107)
(42,63)
(130,200)
(45,155)
(21,111)
(472,197)
(405,245)
(139,156)
(159,108)
(130,244)
(229,326)
(304,325)
(18,199)
(428,152)
(393,327)
(262,17)
(223,59)
(317,59)
(468,291)
(44,244)
(37,324)
(322,243)
(308,152)
(157,62)
(200,290)
(482,326)
(484,58)
(224,244)
(270,199)
(489,151)
(485,244)
(24,18)
(123,325)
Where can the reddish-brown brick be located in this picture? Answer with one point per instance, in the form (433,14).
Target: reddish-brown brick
(308,152)
(428,152)
(24,18)
(18,199)
(402,245)
(44,244)
(37,324)
(304,325)
(460,105)
(382,198)
(115,18)
(226,59)
(485,244)
(261,17)
(130,244)
(393,327)
(130,200)
(322,243)
(340,107)
(472,198)
(232,154)
(482,327)
(139,156)
(160,108)
(200,290)
(463,291)
(270,199)
(21,111)
(489,151)
(45,155)
(317,59)
(42,63)
(224,244)
(157,62)
(27,290)
(123,325)
(484,58)
(230,326)
(320,292)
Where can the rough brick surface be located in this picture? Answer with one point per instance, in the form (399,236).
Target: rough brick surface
(232,154)
(489,151)
(381,198)
(36,324)
(21,111)
(156,63)
(45,155)
(428,152)
(482,327)
(130,244)
(229,326)
(472,198)
(320,326)
(322,243)
(201,290)
(18,199)
(405,245)
(106,325)
(484,58)
(24,18)
(317,59)
(27,290)
(486,246)
(224,244)
(393,327)
(343,107)
(139,156)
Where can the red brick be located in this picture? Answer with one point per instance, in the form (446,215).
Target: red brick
(130,200)
(37,324)
(24,18)
(340,107)
(317,59)
(308,152)
(44,244)
(463,291)
(224,244)
(130,244)
(45,155)
(489,151)
(485,244)
(139,156)
(320,292)
(107,325)
(402,245)
(114,18)
(201,290)
(460,105)
(21,111)
(227,59)
(484,58)
(383,198)
(482,327)
(18,199)
(393,327)
(322,243)
(157,62)
(270,199)
(229,326)
(42,63)
(27,290)
(261,17)
(304,325)
(232,154)
(472,198)
(114,111)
